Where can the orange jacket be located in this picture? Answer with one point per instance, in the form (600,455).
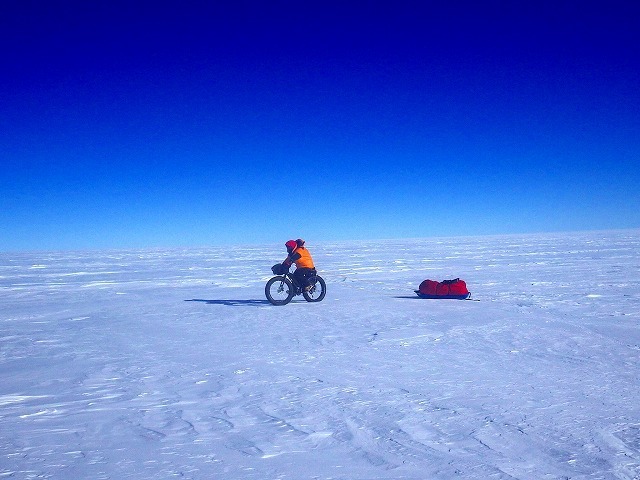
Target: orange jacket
(301,257)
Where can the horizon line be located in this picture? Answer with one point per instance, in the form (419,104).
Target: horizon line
(315,242)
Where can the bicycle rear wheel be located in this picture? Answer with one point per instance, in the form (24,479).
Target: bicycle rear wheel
(279,290)
(317,292)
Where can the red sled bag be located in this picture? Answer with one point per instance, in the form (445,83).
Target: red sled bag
(428,287)
(455,288)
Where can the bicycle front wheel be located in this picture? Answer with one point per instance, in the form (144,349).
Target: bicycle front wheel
(317,292)
(279,290)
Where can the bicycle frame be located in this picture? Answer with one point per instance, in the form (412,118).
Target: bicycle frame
(294,282)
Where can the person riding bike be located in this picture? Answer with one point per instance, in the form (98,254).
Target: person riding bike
(305,268)
(304,280)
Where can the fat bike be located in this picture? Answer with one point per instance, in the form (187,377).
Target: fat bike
(280,289)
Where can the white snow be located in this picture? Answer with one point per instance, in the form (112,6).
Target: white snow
(158,364)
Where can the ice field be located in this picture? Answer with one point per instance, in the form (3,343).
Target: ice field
(159,364)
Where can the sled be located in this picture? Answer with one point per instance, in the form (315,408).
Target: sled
(452,289)
(454,297)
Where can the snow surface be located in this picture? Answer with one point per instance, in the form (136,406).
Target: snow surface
(158,364)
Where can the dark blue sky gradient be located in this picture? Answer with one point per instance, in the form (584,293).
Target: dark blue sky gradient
(126,124)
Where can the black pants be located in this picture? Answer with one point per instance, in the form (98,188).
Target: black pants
(304,276)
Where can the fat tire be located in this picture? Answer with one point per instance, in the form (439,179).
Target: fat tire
(271,284)
(313,295)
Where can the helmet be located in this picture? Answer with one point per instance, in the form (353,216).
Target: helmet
(291,245)
(300,242)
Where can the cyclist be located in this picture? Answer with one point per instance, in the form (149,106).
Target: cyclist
(305,269)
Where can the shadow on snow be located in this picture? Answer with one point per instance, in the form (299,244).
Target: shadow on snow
(231,303)
(412,297)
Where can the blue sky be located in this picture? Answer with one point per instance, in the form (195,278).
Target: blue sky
(134,124)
